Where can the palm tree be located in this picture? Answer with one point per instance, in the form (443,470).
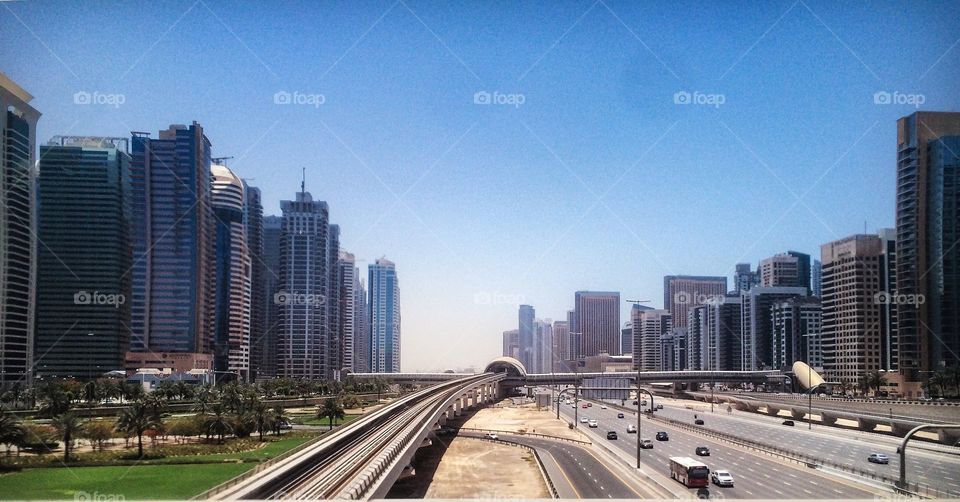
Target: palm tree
(280,417)
(217,423)
(69,425)
(953,373)
(331,409)
(11,431)
(137,419)
(262,418)
(381,385)
(938,383)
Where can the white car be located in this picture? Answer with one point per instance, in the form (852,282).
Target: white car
(721,478)
(603,406)
(631,429)
(491,435)
(593,424)
(583,420)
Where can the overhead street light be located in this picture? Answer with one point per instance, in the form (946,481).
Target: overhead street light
(636,357)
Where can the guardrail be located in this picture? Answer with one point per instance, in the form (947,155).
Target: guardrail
(543,470)
(812,462)
(531,434)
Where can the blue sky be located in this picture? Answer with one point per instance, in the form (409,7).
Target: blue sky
(597,180)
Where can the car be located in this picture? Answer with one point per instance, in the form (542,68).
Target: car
(646,444)
(631,429)
(569,401)
(285,425)
(619,415)
(584,406)
(491,435)
(698,421)
(603,406)
(878,458)
(583,420)
(659,406)
(634,402)
(721,478)
(663,436)
(643,403)
(702,451)
(612,435)
(593,424)
(788,422)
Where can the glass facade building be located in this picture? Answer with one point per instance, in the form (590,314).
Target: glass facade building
(384,317)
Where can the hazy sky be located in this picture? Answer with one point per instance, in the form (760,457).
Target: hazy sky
(582,172)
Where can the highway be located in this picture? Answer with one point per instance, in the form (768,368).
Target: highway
(879,409)
(588,477)
(755,476)
(937,470)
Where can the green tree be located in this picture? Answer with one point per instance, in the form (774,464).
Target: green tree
(280,417)
(217,423)
(12,432)
(137,419)
(98,432)
(938,383)
(69,426)
(262,418)
(331,409)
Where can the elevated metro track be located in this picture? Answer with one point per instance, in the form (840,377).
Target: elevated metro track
(361,460)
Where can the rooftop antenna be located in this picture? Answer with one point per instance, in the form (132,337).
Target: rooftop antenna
(303,181)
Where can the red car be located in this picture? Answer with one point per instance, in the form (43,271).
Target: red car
(583,406)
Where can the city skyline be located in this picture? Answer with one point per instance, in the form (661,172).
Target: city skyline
(752,180)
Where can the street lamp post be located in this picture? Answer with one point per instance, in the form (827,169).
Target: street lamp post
(636,357)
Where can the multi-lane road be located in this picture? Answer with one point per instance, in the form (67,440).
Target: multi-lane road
(938,470)
(755,475)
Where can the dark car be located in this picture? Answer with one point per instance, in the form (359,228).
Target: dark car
(788,422)
(612,435)
(619,415)
(659,406)
(663,436)
(702,451)
(634,402)
(698,421)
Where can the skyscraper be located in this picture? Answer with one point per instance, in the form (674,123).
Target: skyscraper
(816,279)
(561,343)
(303,337)
(233,282)
(718,324)
(173,234)
(853,328)
(649,327)
(756,328)
(348,284)
(511,343)
(786,269)
(796,332)
(361,330)
(527,316)
(253,226)
(18,264)
(598,322)
(744,278)
(889,343)
(335,343)
(384,317)
(266,351)
(543,346)
(681,292)
(83,284)
(928,228)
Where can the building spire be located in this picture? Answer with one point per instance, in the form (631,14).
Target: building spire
(303,181)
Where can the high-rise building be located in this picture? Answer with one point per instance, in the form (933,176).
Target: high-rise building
(174,262)
(561,343)
(361,331)
(266,351)
(626,339)
(816,279)
(889,344)
(696,336)
(756,330)
(928,228)
(681,292)
(598,322)
(796,332)
(335,342)
(303,337)
(233,295)
(348,283)
(384,317)
(673,350)
(253,226)
(853,328)
(18,247)
(649,326)
(744,278)
(511,343)
(786,269)
(718,324)
(83,288)
(527,316)
(543,346)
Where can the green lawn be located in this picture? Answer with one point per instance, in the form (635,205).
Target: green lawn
(134,482)
(313,420)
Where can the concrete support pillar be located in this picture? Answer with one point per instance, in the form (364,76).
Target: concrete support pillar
(866,425)
(827,418)
(901,429)
(948,436)
(797,414)
(773,410)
